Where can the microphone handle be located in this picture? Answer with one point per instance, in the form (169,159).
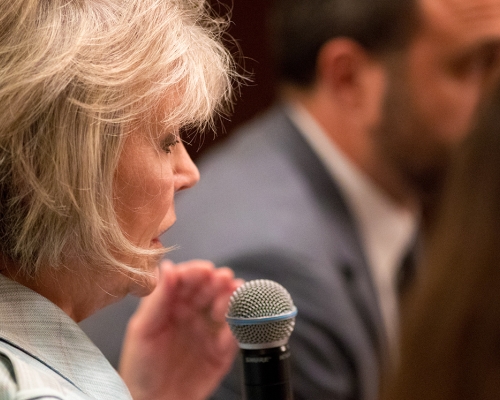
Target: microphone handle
(266,374)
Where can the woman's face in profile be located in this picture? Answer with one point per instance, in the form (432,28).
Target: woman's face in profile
(150,170)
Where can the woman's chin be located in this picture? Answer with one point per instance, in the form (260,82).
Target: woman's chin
(144,286)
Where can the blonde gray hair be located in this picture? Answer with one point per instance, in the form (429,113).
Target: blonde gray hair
(75,76)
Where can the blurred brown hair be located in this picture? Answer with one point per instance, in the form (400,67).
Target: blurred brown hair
(450,337)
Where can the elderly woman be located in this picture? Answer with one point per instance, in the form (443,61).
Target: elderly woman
(93,95)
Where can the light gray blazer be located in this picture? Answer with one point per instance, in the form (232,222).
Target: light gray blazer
(45,355)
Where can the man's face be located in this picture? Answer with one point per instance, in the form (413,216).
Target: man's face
(436,85)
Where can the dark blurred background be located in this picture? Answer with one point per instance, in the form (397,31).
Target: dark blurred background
(248,29)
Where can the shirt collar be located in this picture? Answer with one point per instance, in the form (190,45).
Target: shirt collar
(387,230)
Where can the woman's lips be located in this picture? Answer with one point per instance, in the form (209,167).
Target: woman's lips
(156,243)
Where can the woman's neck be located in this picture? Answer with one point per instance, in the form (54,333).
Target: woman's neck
(78,295)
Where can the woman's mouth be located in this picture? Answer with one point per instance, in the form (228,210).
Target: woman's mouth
(156,243)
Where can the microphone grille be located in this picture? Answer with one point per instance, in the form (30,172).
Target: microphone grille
(261,314)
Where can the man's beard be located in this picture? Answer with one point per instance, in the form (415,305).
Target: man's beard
(411,146)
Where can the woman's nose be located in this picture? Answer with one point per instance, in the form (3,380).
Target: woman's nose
(186,172)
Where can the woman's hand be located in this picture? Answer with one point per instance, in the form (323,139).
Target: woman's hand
(178,345)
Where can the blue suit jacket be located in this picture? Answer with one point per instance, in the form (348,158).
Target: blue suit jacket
(266,207)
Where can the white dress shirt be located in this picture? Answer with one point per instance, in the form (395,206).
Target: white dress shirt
(386,229)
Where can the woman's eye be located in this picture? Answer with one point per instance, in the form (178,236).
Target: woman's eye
(169,142)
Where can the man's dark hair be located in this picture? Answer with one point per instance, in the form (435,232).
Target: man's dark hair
(299,28)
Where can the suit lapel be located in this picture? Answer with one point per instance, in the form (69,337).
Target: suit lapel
(347,254)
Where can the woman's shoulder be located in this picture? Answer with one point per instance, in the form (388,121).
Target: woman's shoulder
(24,377)
(8,386)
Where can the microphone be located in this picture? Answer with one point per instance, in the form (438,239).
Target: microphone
(262,317)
